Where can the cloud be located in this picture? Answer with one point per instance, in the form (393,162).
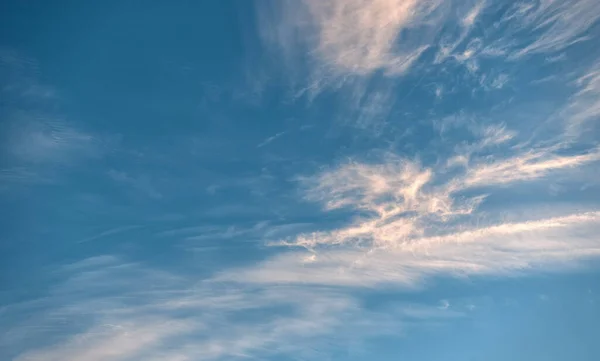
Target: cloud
(524,28)
(153,315)
(19,175)
(112,342)
(410,219)
(110,232)
(362,36)
(20,84)
(558,24)
(526,166)
(584,106)
(336,38)
(411,222)
(37,147)
(503,249)
(399,200)
(365,53)
(46,141)
(270,139)
(35,140)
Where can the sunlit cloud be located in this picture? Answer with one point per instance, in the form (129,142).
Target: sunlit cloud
(506,249)
(527,166)
(359,37)
(362,36)
(356,37)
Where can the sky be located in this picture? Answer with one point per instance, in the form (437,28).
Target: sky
(300,180)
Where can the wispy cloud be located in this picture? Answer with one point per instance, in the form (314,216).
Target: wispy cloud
(367,52)
(362,36)
(47,141)
(126,340)
(352,36)
(558,23)
(176,318)
(35,139)
(270,139)
(109,232)
(359,37)
(412,221)
(526,166)
(504,249)
(36,148)
(19,79)
(585,103)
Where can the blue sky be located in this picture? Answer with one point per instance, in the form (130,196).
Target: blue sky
(300,180)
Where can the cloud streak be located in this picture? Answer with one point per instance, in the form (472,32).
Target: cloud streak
(559,23)
(360,37)
(503,249)
(528,166)
(179,319)
(584,107)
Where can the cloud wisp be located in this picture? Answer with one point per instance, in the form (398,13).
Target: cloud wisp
(359,37)
(365,53)
(179,319)
(412,222)
(584,109)
(35,139)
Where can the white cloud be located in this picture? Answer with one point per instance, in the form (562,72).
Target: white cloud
(107,342)
(503,249)
(411,230)
(151,315)
(361,36)
(400,200)
(559,23)
(359,48)
(338,41)
(270,139)
(356,37)
(585,103)
(526,166)
(412,221)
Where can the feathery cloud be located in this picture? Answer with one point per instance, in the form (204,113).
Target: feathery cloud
(585,103)
(503,249)
(174,317)
(527,166)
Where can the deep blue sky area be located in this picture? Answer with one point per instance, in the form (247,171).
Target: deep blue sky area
(300,180)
